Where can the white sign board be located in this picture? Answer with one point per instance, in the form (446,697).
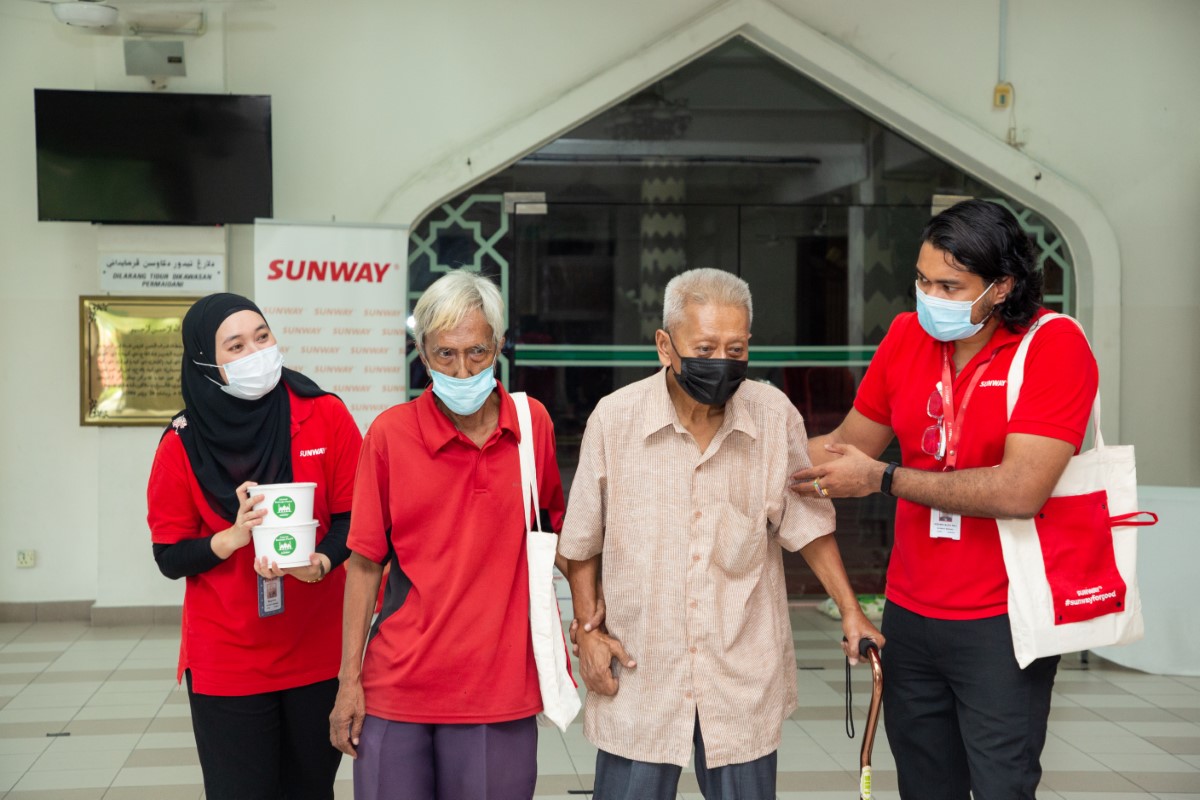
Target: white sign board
(336,298)
(149,273)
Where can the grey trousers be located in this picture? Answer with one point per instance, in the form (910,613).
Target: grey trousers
(620,778)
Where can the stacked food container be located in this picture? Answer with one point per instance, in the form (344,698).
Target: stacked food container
(288,533)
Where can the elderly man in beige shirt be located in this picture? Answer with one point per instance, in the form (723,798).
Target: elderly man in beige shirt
(682,489)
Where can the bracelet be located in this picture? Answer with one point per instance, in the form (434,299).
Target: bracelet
(321,576)
(885,483)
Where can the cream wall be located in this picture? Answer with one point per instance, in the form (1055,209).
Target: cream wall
(382,109)
(1103,98)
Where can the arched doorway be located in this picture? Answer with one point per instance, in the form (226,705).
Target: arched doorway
(734,161)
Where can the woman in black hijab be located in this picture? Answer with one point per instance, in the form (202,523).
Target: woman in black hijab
(260,645)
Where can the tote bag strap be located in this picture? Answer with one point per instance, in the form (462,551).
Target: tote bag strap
(1016,372)
(529,485)
(560,701)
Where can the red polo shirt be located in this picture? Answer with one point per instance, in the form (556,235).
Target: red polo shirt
(965,578)
(452,644)
(227,646)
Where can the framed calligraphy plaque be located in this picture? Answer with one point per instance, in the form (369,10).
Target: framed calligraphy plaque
(130,351)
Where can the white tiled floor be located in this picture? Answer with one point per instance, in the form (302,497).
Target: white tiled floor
(1114,734)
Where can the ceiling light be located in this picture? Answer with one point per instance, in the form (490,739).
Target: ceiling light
(85,15)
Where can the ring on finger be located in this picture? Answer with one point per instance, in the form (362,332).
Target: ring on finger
(818,488)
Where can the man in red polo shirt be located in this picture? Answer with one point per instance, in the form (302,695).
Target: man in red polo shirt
(443,704)
(961,716)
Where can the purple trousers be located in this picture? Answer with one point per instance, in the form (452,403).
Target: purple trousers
(414,761)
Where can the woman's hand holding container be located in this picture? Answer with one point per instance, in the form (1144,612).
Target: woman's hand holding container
(228,541)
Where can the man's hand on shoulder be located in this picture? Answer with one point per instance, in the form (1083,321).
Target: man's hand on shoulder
(596,652)
(849,472)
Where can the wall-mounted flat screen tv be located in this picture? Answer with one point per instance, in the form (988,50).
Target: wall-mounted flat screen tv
(153,158)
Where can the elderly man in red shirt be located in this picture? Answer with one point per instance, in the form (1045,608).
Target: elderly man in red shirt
(443,704)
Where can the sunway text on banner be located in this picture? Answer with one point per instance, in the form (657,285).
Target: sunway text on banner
(337,295)
(347,271)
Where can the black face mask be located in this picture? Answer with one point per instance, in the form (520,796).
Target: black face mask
(709,381)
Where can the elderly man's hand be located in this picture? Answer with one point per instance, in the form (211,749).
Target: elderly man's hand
(850,473)
(592,624)
(346,719)
(855,626)
(596,652)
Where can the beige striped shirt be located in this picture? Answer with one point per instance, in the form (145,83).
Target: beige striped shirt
(693,570)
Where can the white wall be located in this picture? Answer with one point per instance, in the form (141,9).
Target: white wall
(75,494)
(44,268)
(1104,97)
(382,109)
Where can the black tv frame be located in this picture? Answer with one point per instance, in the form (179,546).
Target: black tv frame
(153,158)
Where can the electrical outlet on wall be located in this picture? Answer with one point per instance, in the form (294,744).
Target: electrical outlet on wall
(26,559)
(1002,95)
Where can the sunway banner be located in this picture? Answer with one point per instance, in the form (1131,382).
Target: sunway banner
(336,297)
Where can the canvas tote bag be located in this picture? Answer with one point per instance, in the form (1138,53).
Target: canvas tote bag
(1072,569)
(560,700)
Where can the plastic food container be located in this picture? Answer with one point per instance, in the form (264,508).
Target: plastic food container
(286,503)
(286,545)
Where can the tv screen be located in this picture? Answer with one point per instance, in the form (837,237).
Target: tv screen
(153,158)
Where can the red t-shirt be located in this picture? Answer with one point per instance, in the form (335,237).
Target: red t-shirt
(456,647)
(965,578)
(227,646)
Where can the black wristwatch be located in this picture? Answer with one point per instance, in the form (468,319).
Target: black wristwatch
(885,483)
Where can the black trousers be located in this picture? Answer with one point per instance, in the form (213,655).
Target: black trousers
(960,715)
(272,746)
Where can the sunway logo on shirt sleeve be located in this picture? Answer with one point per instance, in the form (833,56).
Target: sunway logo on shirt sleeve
(993,383)
(316,451)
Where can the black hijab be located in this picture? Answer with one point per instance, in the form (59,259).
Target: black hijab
(230,440)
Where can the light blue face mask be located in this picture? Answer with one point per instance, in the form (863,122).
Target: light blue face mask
(948,320)
(464,396)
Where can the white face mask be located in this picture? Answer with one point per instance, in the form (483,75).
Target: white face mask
(252,377)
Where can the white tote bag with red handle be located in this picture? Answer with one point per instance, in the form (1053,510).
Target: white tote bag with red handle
(1072,569)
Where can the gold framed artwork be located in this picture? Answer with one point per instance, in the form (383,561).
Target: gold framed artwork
(130,352)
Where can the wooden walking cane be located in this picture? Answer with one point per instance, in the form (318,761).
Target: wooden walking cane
(869,651)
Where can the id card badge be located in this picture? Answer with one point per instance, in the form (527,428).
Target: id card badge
(270,596)
(944,525)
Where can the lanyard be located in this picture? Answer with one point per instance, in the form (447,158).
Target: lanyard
(953,426)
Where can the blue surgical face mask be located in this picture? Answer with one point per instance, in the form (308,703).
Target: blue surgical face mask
(948,320)
(464,396)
